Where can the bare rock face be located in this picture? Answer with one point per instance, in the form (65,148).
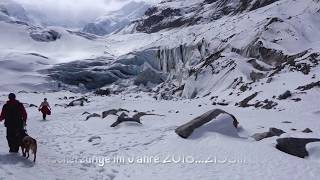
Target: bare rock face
(272,132)
(187,129)
(167,16)
(295,146)
(45,35)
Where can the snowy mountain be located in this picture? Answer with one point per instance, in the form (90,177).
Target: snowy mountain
(240,50)
(10,10)
(27,49)
(117,20)
(170,63)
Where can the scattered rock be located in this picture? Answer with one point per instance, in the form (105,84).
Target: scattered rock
(103,92)
(135,118)
(95,139)
(295,146)
(285,95)
(113,112)
(61,105)
(32,105)
(208,94)
(297,99)
(272,132)
(293,129)
(269,80)
(222,104)
(307,130)
(309,86)
(78,102)
(93,115)
(85,113)
(245,102)
(268,104)
(187,129)
(286,122)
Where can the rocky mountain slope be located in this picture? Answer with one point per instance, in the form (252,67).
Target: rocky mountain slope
(243,53)
(117,20)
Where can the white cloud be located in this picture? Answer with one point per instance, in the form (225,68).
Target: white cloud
(70,12)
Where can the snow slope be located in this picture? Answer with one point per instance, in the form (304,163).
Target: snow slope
(66,141)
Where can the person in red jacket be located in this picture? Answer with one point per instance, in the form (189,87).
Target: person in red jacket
(45,108)
(15,116)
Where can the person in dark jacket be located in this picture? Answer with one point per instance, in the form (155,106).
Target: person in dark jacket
(15,116)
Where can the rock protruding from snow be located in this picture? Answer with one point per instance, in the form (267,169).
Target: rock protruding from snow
(295,146)
(272,132)
(92,116)
(78,102)
(187,129)
(113,112)
(45,35)
(307,130)
(285,95)
(135,118)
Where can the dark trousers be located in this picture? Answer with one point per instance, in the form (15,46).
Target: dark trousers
(44,116)
(13,138)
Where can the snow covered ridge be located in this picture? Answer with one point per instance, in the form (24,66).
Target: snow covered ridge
(117,20)
(232,57)
(10,10)
(173,14)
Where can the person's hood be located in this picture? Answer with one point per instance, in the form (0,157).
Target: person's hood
(13,102)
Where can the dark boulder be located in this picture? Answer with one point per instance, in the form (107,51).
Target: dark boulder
(307,130)
(103,92)
(295,146)
(285,95)
(45,35)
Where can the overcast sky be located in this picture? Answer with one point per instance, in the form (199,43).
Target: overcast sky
(72,12)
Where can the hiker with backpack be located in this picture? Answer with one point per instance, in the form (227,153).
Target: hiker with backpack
(15,117)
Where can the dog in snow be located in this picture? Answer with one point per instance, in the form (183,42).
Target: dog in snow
(28,143)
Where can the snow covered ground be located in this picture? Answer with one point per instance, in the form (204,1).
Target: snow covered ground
(67,139)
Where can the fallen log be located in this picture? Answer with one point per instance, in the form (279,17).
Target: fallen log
(187,129)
